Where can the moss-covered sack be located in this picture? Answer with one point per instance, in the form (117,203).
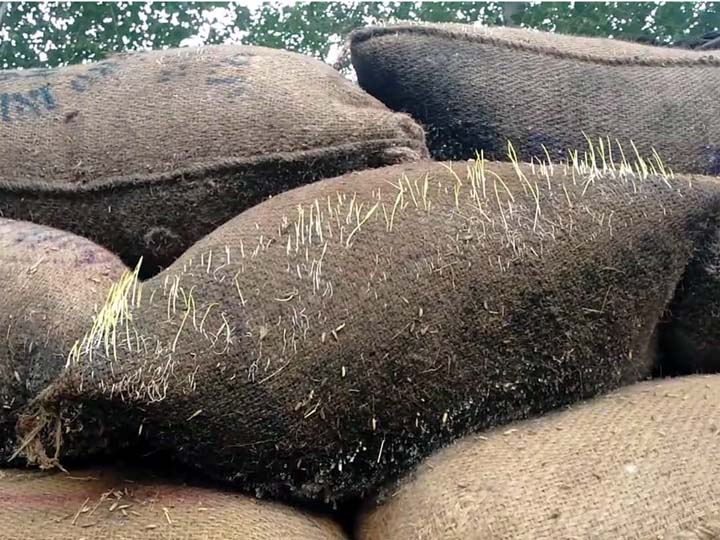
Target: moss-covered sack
(324,341)
(146,152)
(640,463)
(474,87)
(52,284)
(132,504)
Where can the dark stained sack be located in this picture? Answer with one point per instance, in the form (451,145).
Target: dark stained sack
(123,504)
(641,463)
(144,153)
(323,342)
(53,282)
(690,335)
(476,87)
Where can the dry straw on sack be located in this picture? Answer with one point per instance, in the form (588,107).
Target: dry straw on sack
(52,283)
(475,87)
(639,464)
(145,153)
(325,341)
(118,504)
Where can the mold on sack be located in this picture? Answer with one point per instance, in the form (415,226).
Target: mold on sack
(325,341)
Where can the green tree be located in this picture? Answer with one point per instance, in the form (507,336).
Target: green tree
(58,33)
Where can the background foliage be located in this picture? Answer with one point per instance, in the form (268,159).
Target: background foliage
(51,34)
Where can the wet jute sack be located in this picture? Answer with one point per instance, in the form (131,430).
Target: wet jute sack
(124,504)
(641,463)
(474,87)
(690,330)
(324,341)
(144,153)
(52,284)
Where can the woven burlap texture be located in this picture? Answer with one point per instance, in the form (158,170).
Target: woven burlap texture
(475,87)
(326,340)
(146,152)
(639,464)
(118,504)
(53,282)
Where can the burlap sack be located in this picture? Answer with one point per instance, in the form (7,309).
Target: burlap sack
(326,340)
(690,336)
(145,153)
(52,284)
(641,463)
(119,504)
(475,87)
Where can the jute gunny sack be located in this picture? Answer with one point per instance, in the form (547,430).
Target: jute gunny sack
(641,463)
(146,152)
(53,282)
(326,340)
(691,325)
(475,87)
(133,504)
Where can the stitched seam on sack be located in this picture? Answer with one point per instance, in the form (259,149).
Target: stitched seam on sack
(118,183)
(367,34)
